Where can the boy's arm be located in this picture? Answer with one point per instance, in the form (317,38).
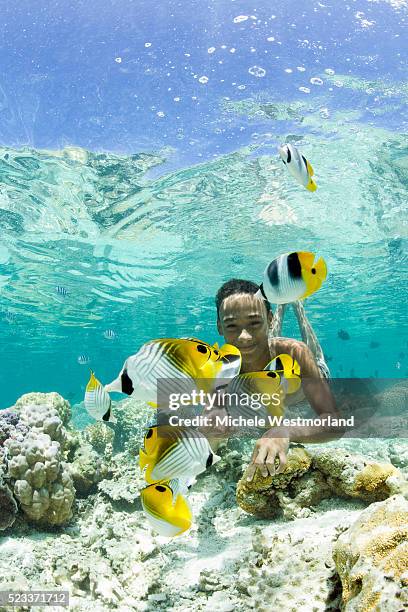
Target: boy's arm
(274,443)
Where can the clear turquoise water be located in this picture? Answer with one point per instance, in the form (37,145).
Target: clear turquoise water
(141,250)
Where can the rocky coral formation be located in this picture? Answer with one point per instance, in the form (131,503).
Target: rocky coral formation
(133,418)
(125,479)
(88,469)
(371,558)
(313,475)
(285,572)
(99,435)
(12,427)
(40,480)
(44,419)
(352,475)
(398,452)
(53,400)
(37,475)
(8,506)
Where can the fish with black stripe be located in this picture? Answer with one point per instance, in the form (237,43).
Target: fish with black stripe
(179,363)
(298,166)
(175,452)
(280,377)
(97,401)
(167,510)
(292,276)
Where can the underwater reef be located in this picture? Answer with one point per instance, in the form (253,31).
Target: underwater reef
(329,533)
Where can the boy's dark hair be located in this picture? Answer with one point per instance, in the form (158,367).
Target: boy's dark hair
(236,285)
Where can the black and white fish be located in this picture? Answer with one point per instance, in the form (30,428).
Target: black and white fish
(298,166)
(97,401)
(61,291)
(83,359)
(175,452)
(292,276)
(109,334)
(181,364)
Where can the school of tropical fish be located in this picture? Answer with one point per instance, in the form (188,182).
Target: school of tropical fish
(172,457)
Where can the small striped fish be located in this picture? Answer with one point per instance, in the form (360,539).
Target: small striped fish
(10,316)
(97,401)
(61,290)
(109,334)
(83,360)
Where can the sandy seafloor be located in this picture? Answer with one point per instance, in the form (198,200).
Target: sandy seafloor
(108,558)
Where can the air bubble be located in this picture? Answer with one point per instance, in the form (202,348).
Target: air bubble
(257,71)
(240,18)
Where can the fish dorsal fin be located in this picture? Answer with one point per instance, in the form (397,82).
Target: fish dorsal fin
(92,383)
(216,346)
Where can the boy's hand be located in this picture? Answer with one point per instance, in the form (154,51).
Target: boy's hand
(266,451)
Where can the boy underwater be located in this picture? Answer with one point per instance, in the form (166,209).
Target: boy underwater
(247,322)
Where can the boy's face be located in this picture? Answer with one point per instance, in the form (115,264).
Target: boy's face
(244,322)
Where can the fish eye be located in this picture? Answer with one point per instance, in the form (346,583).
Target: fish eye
(149,434)
(201,348)
(313,270)
(160,488)
(272,374)
(216,352)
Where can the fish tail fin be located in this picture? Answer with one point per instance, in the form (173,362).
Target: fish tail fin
(311,186)
(215,458)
